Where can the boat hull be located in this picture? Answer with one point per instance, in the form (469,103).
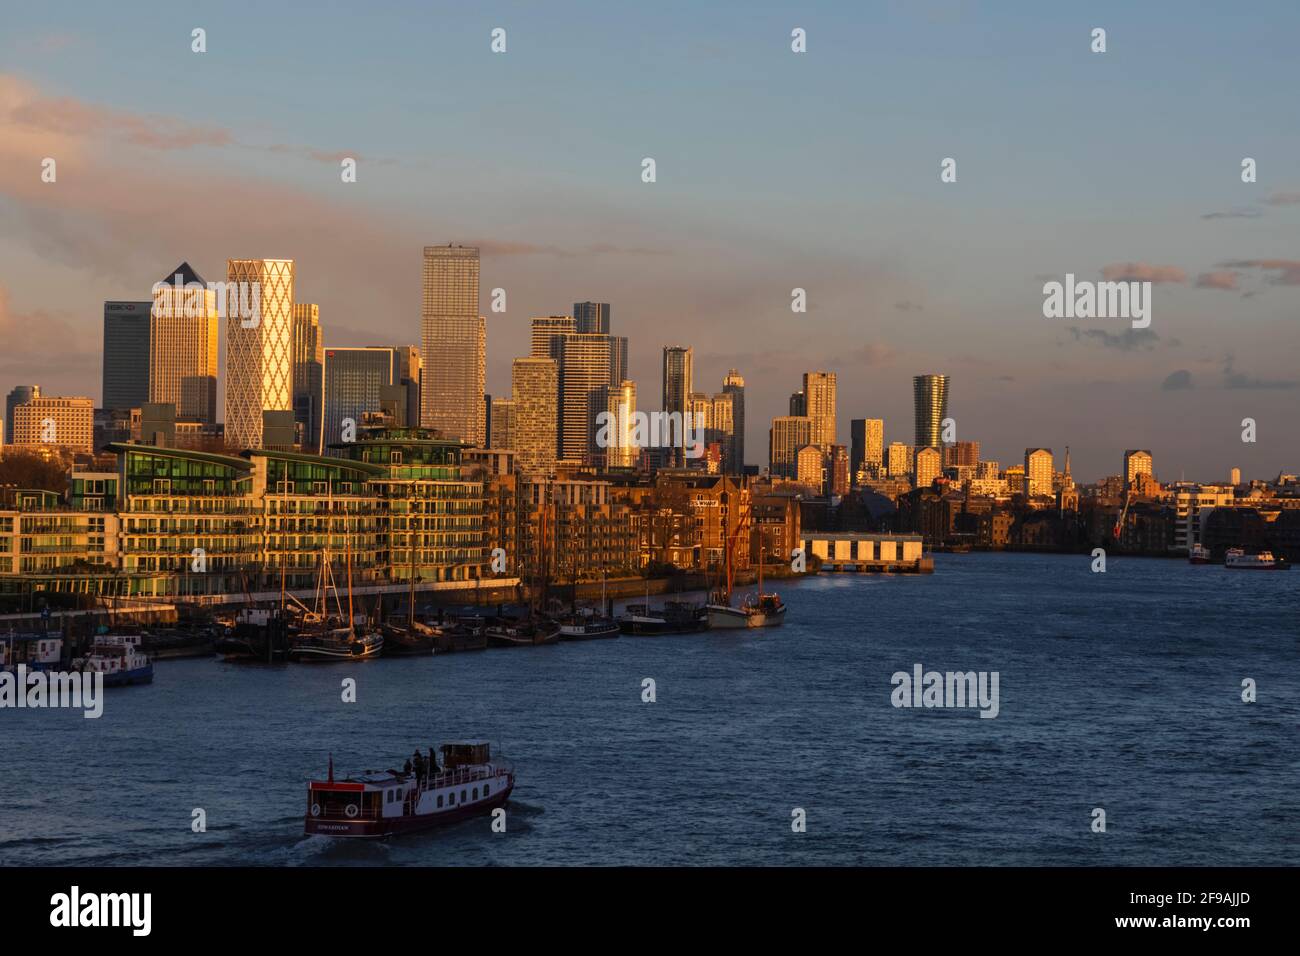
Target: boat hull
(733,618)
(412,823)
(136,675)
(307,653)
(588,634)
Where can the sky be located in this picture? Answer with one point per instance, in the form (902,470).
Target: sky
(775,170)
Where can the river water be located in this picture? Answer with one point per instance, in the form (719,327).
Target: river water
(1119,691)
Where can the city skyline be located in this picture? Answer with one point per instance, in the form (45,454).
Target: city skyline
(929,284)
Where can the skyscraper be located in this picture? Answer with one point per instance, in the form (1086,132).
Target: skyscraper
(899,460)
(20,395)
(592,318)
(502,424)
(259,349)
(621,450)
(548,331)
(798,403)
(453,344)
(1038,471)
(56,420)
(308,360)
(535,386)
(126,355)
(677,385)
(183,346)
(354,383)
(734,385)
(789,434)
(584,374)
(867,445)
(1137,461)
(819,395)
(930,406)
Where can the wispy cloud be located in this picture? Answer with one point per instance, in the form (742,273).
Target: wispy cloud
(1177,381)
(1240,380)
(1288,270)
(1223,279)
(1129,340)
(1142,272)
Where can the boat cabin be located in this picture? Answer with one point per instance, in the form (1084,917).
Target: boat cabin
(464,754)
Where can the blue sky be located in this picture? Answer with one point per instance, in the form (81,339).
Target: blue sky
(775,170)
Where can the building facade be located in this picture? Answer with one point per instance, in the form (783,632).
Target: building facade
(259,349)
(453,344)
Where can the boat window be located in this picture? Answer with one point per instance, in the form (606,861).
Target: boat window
(440,801)
(486,789)
(462,796)
(476,793)
(451,798)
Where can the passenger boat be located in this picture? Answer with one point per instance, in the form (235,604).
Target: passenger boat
(119,658)
(1198,554)
(1240,559)
(470,782)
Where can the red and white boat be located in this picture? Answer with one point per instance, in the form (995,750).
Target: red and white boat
(1198,554)
(469,783)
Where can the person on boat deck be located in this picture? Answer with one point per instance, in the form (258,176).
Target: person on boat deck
(407,769)
(433,762)
(419,765)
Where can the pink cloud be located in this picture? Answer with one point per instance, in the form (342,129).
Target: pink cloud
(1143,272)
(1288,269)
(1217,280)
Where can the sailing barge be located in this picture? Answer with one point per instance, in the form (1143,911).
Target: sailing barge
(471,782)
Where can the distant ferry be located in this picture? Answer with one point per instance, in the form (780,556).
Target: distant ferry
(1251,561)
(119,658)
(1199,554)
(469,783)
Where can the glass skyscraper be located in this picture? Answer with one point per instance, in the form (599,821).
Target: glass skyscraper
(930,404)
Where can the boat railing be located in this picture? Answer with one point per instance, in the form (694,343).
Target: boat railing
(450,778)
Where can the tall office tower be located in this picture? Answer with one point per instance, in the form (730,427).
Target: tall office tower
(867,447)
(961,454)
(548,332)
(621,450)
(55,420)
(126,355)
(592,318)
(1137,461)
(722,429)
(20,395)
(183,346)
(838,470)
(928,465)
(308,360)
(789,433)
(819,395)
(354,382)
(502,425)
(584,374)
(1038,471)
(678,379)
(407,366)
(1234,476)
(898,460)
(734,385)
(930,406)
(454,344)
(259,349)
(798,403)
(535,387)
(617,360)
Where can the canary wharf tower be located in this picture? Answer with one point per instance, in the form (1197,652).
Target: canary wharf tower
(930,401)
(453,344)
(259,346)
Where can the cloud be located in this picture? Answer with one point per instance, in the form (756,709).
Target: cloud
(906,306)
(1288,269)
(1245,212)
(1239,380)
(1129,340)
(1177,381)
(873,354)
(1142,272)
(27,355)
(1217,280)
(1283,199)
